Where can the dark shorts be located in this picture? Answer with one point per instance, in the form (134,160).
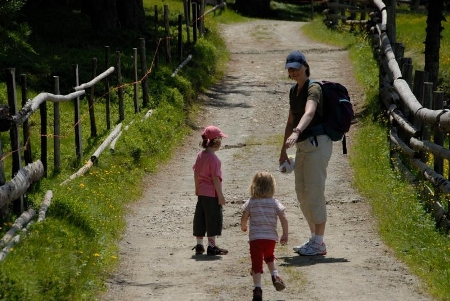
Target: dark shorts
(261,249)
(208,217)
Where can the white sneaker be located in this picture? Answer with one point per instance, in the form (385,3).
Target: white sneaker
(314,248)
(305,245)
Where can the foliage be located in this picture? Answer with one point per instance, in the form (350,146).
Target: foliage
(13,34)
(69,255)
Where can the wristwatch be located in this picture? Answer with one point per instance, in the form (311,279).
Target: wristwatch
(297,130)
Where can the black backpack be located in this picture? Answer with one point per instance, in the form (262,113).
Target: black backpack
(337,111)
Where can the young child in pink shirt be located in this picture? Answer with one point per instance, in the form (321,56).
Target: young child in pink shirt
(208,216)
(263,212)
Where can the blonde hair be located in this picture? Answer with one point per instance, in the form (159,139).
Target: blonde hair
(263,185)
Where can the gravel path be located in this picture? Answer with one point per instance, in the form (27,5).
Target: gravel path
(251,106)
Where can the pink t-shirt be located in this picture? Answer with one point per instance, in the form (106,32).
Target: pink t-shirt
(263,218)
(206,166)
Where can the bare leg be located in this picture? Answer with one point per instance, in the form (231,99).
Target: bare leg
(257,279)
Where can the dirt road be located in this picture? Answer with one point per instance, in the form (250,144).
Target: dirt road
(251,106)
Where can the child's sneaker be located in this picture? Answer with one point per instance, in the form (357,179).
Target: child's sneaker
(216,251)
(314,249)
(257,294)
(278,283)
(199,249)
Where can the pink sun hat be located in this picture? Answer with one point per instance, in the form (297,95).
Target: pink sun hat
(211,132)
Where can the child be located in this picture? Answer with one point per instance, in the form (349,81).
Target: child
(208,216)
(262,210)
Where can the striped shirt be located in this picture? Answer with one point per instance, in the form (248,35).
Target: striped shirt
(263,218)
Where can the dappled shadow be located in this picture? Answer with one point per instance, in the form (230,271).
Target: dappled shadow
(297,260)
(219,94)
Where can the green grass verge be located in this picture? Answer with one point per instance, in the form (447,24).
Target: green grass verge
(68,256)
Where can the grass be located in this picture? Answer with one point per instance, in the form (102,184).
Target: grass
(397,205)
(69,255)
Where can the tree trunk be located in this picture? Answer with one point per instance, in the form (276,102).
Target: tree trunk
(131,14)
(103,14)
(433,39)
(253,8)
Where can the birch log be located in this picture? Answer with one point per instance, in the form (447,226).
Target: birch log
(96,154)
(5,251)
(45,204)
(33,104)
(112,146)
(19,223)
(430,147)
(95,80)
(15,188)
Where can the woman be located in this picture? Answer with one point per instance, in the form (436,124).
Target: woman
(313,151)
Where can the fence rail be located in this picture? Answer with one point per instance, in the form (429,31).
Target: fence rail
(419,121)
(16,121)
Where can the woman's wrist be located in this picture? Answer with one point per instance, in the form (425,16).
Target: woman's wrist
(297,130)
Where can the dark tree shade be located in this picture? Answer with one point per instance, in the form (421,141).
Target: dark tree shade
(111,15)
(433,39)
(131,14)
(253,8)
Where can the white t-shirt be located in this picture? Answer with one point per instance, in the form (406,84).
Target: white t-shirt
(263,218)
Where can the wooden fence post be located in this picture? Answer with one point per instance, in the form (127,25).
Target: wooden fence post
(201,17)
(135,83)
(27,154)
(180,38)
(438,104)
(427,102)
(107,96)
(194,21)
(144,79)
(18,205)
(77,119)
(419,78)
(120,88)
(167,34)
(91,99)
(187,12)
(44,151)
(4,211)
(391,26)
(156,60)
(56,130)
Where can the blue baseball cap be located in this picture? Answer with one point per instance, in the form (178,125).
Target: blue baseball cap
(295,60)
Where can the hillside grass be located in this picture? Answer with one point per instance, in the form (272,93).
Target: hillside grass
(70,254)
(397,205)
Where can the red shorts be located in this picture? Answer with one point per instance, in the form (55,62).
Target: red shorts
(261,249)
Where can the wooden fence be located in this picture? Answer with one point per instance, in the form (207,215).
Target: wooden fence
(419,119)
(16,121)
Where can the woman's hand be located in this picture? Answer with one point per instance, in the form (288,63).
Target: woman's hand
(291,139)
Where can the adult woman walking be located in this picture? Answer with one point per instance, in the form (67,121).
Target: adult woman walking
(313,151)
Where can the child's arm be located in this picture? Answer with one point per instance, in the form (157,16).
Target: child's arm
(244,219)
(284,224)
(196,183)
(218,186)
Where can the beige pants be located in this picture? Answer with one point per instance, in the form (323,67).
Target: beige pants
(311,161)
